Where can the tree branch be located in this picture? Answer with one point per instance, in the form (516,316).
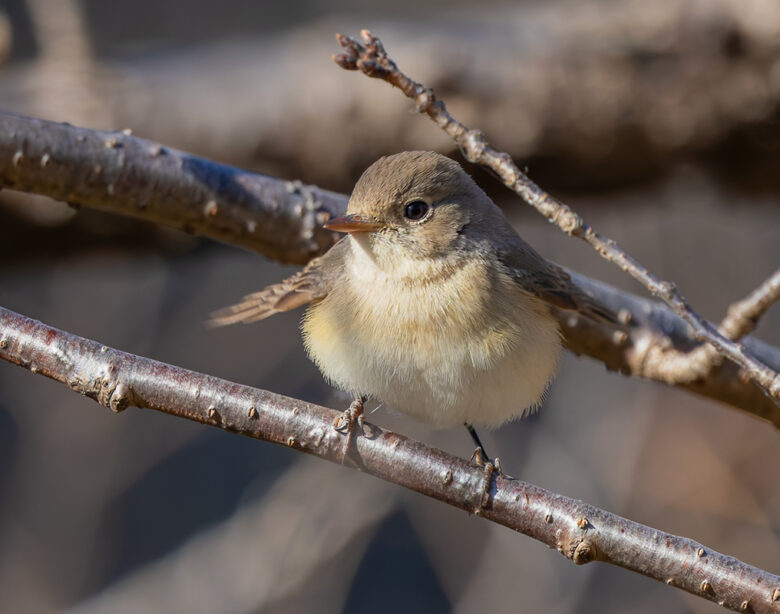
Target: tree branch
(581,532)
(674,367)
(372,60)
(122,174)
(116,172)
(651,324)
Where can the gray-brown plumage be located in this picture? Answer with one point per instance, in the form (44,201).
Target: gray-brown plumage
(432,302)
(310,284)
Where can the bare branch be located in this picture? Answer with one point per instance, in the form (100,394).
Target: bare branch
(581,532)
(650,324)
(371,58)
(675,367)
(721,56)
(116,172)
(123,174)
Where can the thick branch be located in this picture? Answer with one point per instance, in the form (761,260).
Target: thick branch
(116,172)
(579,531)
(652,324)
(123,174)
(371,58)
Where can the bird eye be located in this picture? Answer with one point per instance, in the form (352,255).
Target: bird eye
(416,210)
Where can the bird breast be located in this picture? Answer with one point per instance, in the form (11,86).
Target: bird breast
(446,340)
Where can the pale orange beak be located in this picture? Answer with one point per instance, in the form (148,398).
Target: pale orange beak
(352,223)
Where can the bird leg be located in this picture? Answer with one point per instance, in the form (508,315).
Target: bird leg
(351,418)
(480,456)
(481,459)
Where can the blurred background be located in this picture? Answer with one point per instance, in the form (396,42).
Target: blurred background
(658,121)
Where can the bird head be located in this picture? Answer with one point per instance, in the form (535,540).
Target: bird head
(418,203)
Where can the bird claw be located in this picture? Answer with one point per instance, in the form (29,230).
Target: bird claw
(492,468)
(352,416)
(480,459)
(348,421)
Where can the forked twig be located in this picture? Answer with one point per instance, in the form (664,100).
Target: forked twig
(370,57)
(675,367)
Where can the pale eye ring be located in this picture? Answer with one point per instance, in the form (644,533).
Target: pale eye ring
(416,210)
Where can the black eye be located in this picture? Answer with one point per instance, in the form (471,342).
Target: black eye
(416,210)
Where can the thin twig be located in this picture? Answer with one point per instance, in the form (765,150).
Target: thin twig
(581,532)
(674,367)
(372,60)
(123,174)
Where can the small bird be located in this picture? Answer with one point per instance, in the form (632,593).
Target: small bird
(431,302)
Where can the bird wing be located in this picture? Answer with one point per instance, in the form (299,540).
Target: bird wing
(550,283)
(310,284)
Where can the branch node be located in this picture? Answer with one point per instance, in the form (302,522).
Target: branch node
(347,62)
(667,289)
(584,552)
(624,316)
(120,398)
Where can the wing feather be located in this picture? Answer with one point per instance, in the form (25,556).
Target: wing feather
(310,284)
(551,283)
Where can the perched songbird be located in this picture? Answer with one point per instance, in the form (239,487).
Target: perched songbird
(432,302)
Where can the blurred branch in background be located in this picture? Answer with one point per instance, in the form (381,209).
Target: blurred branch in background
(616,89)
(120,173)
(269,551)
(5,38)
(65,76)
(582,533)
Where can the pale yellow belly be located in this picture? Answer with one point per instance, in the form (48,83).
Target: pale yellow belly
(481,353)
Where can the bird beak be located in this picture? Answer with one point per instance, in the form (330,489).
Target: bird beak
(352,223)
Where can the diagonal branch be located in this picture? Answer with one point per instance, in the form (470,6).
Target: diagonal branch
(673,366)
(123,174)
(581,532)
(371,58)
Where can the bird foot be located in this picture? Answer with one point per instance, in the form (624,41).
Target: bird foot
(481,459)
(353,416)
(492,469)
(349,422)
